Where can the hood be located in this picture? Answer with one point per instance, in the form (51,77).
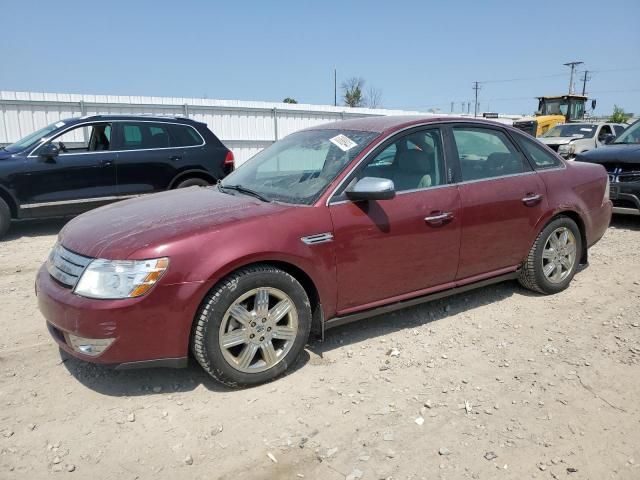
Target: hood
(557,140)
(4,154)
(612,153)
(120,229)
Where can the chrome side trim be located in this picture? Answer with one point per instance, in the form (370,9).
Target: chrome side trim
(46,140)
(626,211)
(317,238)
(80,200)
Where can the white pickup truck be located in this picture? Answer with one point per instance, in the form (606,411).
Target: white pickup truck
(569,139)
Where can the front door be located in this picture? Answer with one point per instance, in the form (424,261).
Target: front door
(398,247)
(502,201)
(80,177)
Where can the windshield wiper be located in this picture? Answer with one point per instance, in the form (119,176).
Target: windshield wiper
(245,190)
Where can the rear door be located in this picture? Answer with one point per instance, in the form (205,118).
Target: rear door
(147,159)
(398,247)
(80,177)
(502,200)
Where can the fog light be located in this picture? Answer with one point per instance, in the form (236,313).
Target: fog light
(88,346)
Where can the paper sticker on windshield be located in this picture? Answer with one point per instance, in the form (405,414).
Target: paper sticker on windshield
(586,129)
(343,142)
(59,124)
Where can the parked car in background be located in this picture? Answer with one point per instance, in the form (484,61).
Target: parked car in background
(621,159)
(329,225)
(77,164)
(570,139)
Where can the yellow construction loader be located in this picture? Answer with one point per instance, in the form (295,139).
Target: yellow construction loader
(552,111)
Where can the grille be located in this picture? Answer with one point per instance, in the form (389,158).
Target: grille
(66,266)
(629,177)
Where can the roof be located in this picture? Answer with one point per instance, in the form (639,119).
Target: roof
(390,123)
(131,117)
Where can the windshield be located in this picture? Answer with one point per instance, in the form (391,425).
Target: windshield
(298,168)
(576,130)
(553,107)
(630,135)
(33,137)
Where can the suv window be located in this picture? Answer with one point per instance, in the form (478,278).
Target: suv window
(84,138)
(540,157)
(184,136)
(143,135)
(412,162)
(618,129)
(604,131)
(487,153)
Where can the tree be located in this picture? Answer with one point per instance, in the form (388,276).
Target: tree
(352,92)
(618,115)
(374,97)
(289,100)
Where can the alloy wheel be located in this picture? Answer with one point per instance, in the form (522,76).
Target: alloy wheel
(559,255)
(258,330)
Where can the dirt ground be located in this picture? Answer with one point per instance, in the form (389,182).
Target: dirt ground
(496,383)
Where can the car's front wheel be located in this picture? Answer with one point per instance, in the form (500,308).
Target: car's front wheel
(5,217)
(252,326)
(554,257)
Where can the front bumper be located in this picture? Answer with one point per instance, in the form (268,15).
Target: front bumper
(625,197)
(152,330)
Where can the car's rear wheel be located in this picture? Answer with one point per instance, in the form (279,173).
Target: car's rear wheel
(193,182)
(554,257)
(252,326)
(5,217)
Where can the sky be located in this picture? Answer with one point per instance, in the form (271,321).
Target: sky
(419,54)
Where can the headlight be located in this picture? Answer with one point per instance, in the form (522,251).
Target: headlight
(567,148)
(110,279)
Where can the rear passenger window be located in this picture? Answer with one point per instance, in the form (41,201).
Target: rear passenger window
(144,135)
(540,157)
(184,136)
(486,153)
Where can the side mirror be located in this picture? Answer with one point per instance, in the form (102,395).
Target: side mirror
(593,104)
(610,137)
(49,151)
(371,188)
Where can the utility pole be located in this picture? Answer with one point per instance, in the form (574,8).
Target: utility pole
(335,87)
(585,79)
(451,107)
(476,87)
(572,65)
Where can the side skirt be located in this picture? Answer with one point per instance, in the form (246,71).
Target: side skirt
(354,317)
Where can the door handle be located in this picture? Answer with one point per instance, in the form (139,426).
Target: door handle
(532,199)
(106,163)
(439,218)
(175,158)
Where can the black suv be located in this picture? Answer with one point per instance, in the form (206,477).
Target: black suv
(74,165)
(621,159)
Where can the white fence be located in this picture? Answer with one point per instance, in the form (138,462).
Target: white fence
(244,127)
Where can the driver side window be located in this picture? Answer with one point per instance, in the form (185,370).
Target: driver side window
(412,162)
(85,138)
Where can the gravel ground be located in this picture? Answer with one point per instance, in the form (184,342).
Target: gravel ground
(496,383)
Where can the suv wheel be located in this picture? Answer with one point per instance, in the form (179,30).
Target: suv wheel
(252,326)
(193,182)
(554,257)
(5,217)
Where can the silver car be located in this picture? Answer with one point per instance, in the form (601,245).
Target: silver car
(570,139)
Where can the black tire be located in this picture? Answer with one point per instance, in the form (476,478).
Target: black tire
(532,275)
(193,182)
(205,336)
(5,217)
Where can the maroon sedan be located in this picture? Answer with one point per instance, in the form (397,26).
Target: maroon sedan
(329,225)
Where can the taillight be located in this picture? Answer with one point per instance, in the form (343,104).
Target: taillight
(229,159)
(606,191)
